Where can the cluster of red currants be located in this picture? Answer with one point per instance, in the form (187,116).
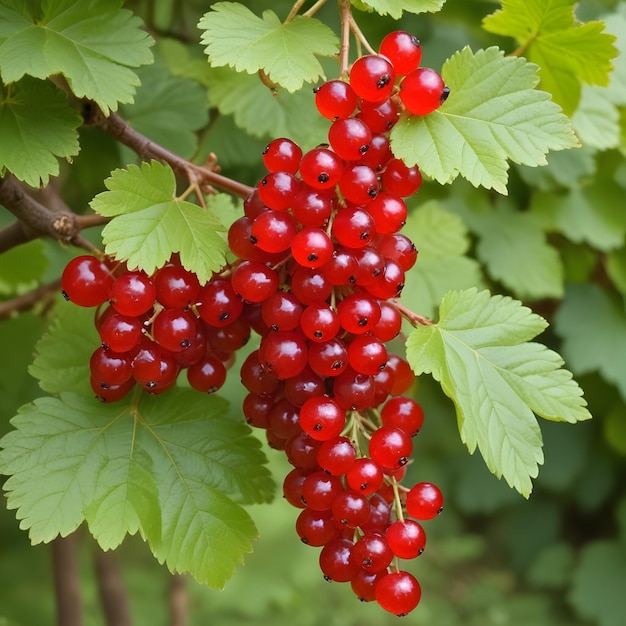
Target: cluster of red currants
(319,265)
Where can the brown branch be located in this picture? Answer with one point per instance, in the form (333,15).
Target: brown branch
(27,301)
(113,596)
(345,12)
(147,149)
(179,600)
(67,581)
(13,235)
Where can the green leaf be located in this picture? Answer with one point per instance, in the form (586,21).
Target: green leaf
(62,353)
(442,241)
(569,53)
(36,126)
(93,46)
(597,346)
(395,8)
(493,114)
(616,268)
(150,223)
(514,248)
(552,569)
(235,36)
(168,109)
(586,214)
(599,583)
(262,114)
(170,467)
(480,353)
(22,267)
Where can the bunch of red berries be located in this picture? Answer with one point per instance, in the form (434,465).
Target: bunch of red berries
(320,263)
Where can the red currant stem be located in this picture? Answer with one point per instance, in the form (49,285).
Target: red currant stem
(314,9)
(415,319)
(26,301)
(360,36)
(294,11)
(345,12)
(146,149)
(397,503)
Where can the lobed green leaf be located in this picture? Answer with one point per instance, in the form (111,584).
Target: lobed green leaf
(22,267)
(480,352)
(37,126)
(493,113)
(395,8)
(568,52)
(94,46)
(286,52)
(150,223)
(171,468)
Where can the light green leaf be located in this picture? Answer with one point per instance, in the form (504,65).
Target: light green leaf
(94,46)
(514,248)
(168,109)
(262,114)
(587,214)
(150,223)
(599,346)
(493,114)
(22,267)
(480,352)
(599,583)
(235,36)
(62,353)
(569,53)
(442,242)
(170,467)
(36,126)
(395,8)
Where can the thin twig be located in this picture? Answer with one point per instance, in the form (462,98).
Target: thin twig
(147,149)
(67,581)
(27,301)
(179,600)
(310,12)
(415,319)
(344,53)
(294,10)
(360,36)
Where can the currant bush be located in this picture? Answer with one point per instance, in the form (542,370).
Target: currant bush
(319,266)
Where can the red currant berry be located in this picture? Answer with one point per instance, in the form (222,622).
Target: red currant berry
(359,183)
(319,489)
(423,91)
(336,560)
(174,329)
(350,508)
(311,247)
(403,50)
(86,281)
(400,179)
(372,77)
(176,288)
(424,501)
(353,227)
(358,313)
(406,538)
(312,208)
(283,353)
(278,189)
(398,592)
(367,354)
(110,368)
(322,418)
(321,168)
(218,304)
(335,99)
(207,375)
(365,476)
(272,231)
(133,293)
(282,154)
(254,281)
(336,456)
(390,447)
(282,311)
(403,412)
(315,528)
(319,322)
(372,553)
(350,138)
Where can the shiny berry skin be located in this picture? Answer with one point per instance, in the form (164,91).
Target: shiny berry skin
(424,501)
(390,323)
(335,99)
(398,592)
(132,293)
(400,179)
(328,358)
(403,376)
(372,77)
(309,285)
(176,288)
(278,189)
(336,456)
(174,329)
(365,476)
(282,311)
(321,168)
(255,378)
(364,584)
(282,154)
(207,375)
(336,561)
(272,231)
(390,283)
(315,528)
(319,489)
(312,208)
(353,227)
(350,508)
(423,91)
(299,388)
(86,281)
(341,268)
(254,281)
(359,183)
(358,313)
(283,353)
(118,332)
(380,117)
(319,322)
(292,486)
(398,248)
(403,50)
(322,418)
(379,153)
(372,553)
(301,451)
(110,368)
(349,138)
(391,448)
(406,538)
(311,247)
(111,393)
(403,412)
(218,304)
(388,211)
(367,354)
(352,390)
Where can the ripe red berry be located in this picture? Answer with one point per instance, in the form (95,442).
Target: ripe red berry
(372,77)
(86,281)
(403,50)
(424,501)
(423,91)
(282,154)
(335,99)
(398,592)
